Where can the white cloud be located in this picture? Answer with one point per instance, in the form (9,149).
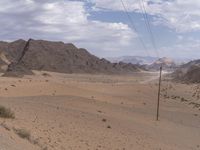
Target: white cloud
(12,6)
(187,47)
(63,13)
(68,21)
(133,5)
(181,15)
(61,20)
(184,16)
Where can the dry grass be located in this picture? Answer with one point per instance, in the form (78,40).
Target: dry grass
(6,113)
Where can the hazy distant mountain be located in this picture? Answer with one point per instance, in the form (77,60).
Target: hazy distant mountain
(149,63)
(23,56)
(167,64)
(133,59)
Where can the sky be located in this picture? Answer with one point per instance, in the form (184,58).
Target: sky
(103,26)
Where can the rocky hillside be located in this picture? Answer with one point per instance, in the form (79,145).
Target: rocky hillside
(189,72)
(21,57)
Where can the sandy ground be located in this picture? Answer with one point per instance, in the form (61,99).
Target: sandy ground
(99,112)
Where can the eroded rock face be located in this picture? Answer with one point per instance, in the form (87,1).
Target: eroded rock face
(24,56)
(189,72)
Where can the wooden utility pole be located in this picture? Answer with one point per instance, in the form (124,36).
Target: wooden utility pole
(159,86)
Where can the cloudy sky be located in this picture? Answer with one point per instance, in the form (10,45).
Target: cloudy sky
(102,26)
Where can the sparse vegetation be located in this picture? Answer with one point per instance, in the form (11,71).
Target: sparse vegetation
(183,100)
(195,105)
(99,111)
(104,120)
(23,133)
(46,74)
(6,113)
(13,85)
(5,126)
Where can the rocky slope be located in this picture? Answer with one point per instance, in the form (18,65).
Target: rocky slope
(189,72)
(24,56)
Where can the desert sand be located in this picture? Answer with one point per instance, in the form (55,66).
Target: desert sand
(99,112)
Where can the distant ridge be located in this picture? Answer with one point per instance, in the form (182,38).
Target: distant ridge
(25,56)
(167,64)
(142,60)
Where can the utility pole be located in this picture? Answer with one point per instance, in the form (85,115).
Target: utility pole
(159,87)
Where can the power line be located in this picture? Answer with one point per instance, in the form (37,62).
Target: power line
(146,19)
(134,27)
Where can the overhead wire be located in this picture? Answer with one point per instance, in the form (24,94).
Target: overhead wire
(147,23)
(148,26)
(134,27)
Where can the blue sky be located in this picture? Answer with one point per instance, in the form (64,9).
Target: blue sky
(102,27)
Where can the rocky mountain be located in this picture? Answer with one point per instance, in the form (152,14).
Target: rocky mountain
(23,56)
(189,72)
(133,59)
(167,64)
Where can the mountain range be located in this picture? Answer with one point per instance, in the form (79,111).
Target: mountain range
(166,63)
(142,60)
(21,57)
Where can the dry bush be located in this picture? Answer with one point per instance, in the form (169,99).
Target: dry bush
(46,75)
(23,133)
(6,113)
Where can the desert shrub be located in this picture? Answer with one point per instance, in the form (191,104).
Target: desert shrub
(46,74)
(23,133)
(6,113)
(104,120)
